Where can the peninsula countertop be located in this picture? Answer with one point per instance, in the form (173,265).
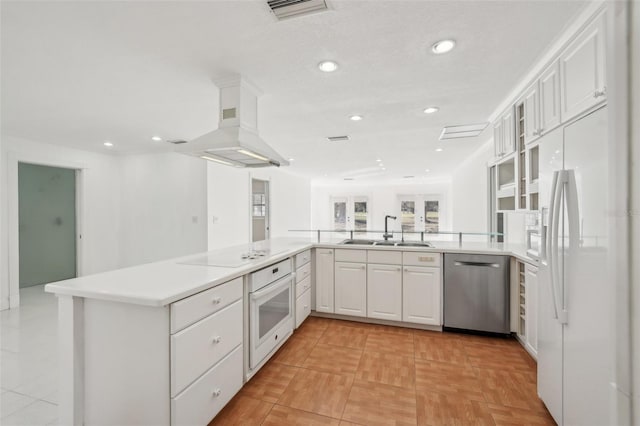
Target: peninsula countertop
(162,283)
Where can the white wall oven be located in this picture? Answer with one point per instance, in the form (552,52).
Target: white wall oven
(270,309)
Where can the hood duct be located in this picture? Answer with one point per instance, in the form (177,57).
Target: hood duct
(236,141)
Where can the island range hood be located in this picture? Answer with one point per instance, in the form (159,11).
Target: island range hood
(236,141)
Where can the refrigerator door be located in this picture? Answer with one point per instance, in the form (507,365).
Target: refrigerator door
(549,328)
(586,291)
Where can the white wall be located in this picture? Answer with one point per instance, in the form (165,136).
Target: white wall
(101,222)
(229,203)
(137,209)
(469,187)
(164,207)
(383,200)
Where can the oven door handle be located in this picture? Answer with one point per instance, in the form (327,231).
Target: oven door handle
(271,288)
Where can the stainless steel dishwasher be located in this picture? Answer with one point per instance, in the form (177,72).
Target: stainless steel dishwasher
(476,292)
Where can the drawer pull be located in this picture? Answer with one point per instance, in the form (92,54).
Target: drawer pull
(426,258)
(217,300)
(274,271)
(216,339)
(216,393)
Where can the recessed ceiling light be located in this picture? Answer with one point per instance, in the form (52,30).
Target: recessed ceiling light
(443,46)
(379,160)
(438,149)
(156,138)
(356,118)
(384,168)
(109,144)
(292,159)
(328,66)
(431,110)
(427,170)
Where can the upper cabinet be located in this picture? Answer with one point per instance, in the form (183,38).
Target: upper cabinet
(582,70)
(549,98)
(504,134)
(528,116)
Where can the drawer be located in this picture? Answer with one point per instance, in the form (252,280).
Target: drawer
(358,256)
(303,273)
(187,311)
(303,258)
(303,307)
(195,349)
(303,286)
(201,401)
(415,258)
(384,257)
(270,273)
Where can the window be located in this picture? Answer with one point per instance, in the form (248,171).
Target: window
(350,213)
(360,215)
(259,205)
(432,216)
(408,215)
(420,213)
(339,215)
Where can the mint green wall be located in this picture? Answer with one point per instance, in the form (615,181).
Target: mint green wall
(47,217)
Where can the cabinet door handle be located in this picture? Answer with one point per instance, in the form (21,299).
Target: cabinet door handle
(216,300)
(216,339)
(216,393)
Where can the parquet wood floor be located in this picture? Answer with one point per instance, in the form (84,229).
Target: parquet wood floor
(333,372)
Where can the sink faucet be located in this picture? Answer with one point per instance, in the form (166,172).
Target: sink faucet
(386,234)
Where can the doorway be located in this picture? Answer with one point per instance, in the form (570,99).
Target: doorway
(259,210)
(47,224)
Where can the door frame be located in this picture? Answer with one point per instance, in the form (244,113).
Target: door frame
(13,233)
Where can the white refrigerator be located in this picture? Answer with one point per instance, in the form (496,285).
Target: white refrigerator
(575,344)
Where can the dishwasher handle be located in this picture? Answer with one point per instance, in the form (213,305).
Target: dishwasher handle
(486,264)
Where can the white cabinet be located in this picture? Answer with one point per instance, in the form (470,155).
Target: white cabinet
(504,134)
(421,295)
(531,308)
(351,289)
(549,86)
(384,292)
(530,126)
(324,280)
(303,307)
(582,70)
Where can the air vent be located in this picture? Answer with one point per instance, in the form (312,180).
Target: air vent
(349,179)
(284,9)
(408,177)
(462,131)
(343,138)
(177,142)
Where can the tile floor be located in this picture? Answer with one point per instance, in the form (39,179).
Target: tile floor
(29,360)
(330,372)
(334,372)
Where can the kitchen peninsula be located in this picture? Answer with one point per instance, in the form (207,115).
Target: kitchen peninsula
(183,323)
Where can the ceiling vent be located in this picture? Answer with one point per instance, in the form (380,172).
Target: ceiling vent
(284,9)
(177,142)
(462,131)
(343,138)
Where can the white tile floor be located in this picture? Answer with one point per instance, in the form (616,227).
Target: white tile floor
(29,360)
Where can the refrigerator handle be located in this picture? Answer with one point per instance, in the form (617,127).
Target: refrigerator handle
(548,255)
(573,219)
(557,281)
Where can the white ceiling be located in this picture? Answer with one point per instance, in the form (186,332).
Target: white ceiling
(80,73)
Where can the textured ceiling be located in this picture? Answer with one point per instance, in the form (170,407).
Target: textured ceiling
(79,73)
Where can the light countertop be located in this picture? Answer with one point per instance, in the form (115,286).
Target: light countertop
(162,283)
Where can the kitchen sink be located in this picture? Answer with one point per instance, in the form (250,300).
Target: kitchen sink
(414,244)
(359,242)
(387,243)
